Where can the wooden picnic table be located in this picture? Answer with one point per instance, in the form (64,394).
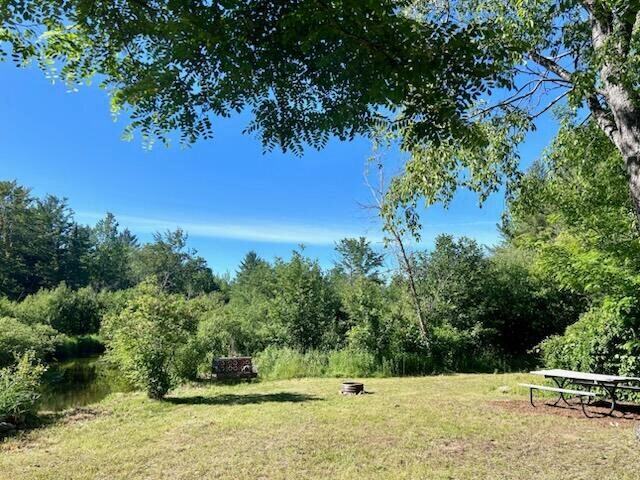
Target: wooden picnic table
(609,383)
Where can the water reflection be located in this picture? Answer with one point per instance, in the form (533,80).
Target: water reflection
(79,382)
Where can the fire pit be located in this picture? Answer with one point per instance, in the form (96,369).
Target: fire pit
(352,388)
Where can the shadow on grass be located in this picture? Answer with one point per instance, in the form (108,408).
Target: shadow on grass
(246,399)
(46,419)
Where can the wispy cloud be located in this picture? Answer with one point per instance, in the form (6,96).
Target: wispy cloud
(292,233)
(255,231)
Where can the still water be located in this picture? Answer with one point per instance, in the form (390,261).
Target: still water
(79,382)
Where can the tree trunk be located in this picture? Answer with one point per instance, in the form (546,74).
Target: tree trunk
(404,259)
(626,137)
(621,123)
(407,265)
(633,169)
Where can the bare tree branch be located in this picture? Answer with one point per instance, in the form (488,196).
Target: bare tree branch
(552,66)
(404,258)
(551,104)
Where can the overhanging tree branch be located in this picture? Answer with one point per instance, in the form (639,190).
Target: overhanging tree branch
(552,66)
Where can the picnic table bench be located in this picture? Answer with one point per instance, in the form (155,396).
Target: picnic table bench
(609,384)
(581,394)
(233,368)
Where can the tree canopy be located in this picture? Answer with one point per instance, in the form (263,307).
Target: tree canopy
(358,259)
(457,83)
(305,69)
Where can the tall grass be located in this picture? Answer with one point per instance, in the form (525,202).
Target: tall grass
(279,363)
(282,363)
(20,389)
(275,363)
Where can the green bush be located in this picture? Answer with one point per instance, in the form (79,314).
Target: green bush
(20,389)
(214,338)
(72,312)
(455,350)
(78,346)
(151,340)
(604,340)
(16,338)
(7,307)
(113,302)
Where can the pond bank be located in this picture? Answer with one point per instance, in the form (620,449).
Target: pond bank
(79,382)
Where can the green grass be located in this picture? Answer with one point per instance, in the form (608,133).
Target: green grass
(446,427)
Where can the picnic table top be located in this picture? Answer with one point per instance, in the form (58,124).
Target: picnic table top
(592,377)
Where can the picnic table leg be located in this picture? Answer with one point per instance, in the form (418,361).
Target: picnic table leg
(584,409)
(611,390)
(560,382)
(589,399)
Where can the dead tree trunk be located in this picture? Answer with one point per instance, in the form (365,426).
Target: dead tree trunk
(407,265)
(404,257)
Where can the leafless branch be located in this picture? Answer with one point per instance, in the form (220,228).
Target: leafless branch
(551,104)
(552,66)
(404,257)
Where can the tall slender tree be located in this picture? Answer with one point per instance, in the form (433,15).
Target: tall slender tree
(356,258)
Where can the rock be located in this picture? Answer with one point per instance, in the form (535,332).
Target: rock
(6,427)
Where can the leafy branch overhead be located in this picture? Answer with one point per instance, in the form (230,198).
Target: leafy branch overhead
(457,83)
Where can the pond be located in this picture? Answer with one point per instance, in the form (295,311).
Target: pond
(79,382)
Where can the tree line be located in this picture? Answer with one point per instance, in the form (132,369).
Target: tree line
(485,308)
(43,246)
(561,289)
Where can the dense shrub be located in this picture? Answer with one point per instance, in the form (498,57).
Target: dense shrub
(151,340)
(16,338)
(604,340)
(217,335)
(72,312)
(457,350)
(367,311)
(7,307)
(78,346)
(524,308)
(20,389)
(113,302)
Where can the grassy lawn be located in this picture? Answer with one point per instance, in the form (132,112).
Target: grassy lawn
(454,427)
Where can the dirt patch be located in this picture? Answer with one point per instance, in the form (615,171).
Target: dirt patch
(626,413)
(80,414)
(28,437)
(455,447)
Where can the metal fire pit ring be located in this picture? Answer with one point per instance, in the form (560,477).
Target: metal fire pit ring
(352,388)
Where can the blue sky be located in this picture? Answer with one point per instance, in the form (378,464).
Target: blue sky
(225,192)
